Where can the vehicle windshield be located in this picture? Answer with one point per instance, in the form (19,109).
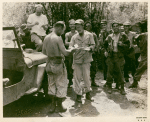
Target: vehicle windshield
(9,40)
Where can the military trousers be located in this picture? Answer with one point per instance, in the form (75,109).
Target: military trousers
(115,66)
(81,71)
(140,70)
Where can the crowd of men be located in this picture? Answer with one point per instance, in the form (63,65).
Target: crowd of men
(77,58)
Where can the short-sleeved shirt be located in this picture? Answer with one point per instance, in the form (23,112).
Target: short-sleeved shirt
(82,56)
(37,28)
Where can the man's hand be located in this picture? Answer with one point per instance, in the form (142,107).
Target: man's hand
(44,27)
(106,54)
(87,48)
(72,49)
(36,23)
(120,43)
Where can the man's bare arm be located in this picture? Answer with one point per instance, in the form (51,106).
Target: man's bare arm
(30,25)
(66,40)
(62,47)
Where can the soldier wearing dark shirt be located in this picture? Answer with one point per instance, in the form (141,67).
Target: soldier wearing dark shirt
(116,45)
(102,36)
(94,56)
(142,43)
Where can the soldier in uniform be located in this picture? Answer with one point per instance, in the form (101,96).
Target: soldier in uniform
(130,56)
(84,43)
(116,45)
(141,40)
(102,36)
(69,59)
(94,56)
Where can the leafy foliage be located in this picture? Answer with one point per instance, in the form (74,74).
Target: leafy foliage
(88,11)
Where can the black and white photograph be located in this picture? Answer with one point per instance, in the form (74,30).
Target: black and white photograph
(75,59)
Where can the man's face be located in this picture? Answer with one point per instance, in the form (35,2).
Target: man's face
(79,28)
(88,27)
(72,26)
(103,26)
(38,11)
(116,28)
(126,27)
(59,30)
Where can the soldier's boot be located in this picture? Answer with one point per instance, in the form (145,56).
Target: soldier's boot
(53,104)
(127,79)
(117,86)
(70,83)
(78,99)
(134,84)
(89,97)
(93,83)
(105,85)
(109,88)
(60,107)
(122,91)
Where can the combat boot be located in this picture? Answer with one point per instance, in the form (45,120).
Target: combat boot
(88,96)
(122,91)
(70,83)
(109,88)
(117,86)
(53,104)
(79,98)
(60,107)
(105,85)
(93,83)
(134,84)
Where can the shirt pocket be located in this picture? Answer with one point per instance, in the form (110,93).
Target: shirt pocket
(87,41)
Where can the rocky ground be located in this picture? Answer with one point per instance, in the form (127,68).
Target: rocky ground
(134,103)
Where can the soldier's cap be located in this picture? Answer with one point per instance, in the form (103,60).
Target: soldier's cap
(115,22)
(103,22)
(88,22)
(38,5)
(72,21)
(59,23)
(79,21)
(121,27)
(127,23)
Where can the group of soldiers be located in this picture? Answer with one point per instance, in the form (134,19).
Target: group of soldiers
(77,59)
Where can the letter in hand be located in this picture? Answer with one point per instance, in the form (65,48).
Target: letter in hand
(87,48)
(72,49)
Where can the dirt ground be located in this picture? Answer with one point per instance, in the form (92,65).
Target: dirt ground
(134,103)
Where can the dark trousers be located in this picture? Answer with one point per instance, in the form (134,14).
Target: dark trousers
(101,63)
(129,65)
(115,69)
(137,55)
(140,70)
(68,63)
(93,66)
(104,66)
